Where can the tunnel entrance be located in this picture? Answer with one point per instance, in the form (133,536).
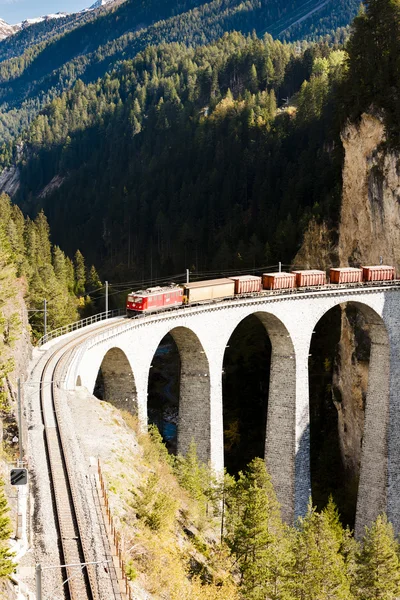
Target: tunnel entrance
(338,383)
(245,388)
(115,381)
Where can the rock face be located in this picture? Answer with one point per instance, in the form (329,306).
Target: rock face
(369,231)
(370,214)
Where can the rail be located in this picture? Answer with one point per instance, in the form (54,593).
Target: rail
(79,324)
(75,538)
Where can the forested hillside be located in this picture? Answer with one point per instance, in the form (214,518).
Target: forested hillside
(43,271)
(30,80)
(183,159)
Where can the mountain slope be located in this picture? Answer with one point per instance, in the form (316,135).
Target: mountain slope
(88,51)
(6,29)
(34,31)
(182,157)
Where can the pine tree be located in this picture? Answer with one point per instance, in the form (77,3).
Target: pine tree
(80,277)
(378,572)
(43,236)
(319,570)
(253,79)
(257,537)
(192,474)
(93,280)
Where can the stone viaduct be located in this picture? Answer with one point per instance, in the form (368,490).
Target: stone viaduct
(125,354)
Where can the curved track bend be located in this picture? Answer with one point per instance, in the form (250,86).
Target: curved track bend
(76,548)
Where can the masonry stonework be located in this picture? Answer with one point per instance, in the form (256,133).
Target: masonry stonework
(202,334)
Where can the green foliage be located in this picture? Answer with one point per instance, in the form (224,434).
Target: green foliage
(193,475)
(374,69)
(176,161)
(154,506)
(48,58)
(6,557)
(256,536)
(378,569)
(80,273)
(130,571)
(26,251)
(319,569)
(318,559)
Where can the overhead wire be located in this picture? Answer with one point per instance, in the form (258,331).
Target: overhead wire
(126,286)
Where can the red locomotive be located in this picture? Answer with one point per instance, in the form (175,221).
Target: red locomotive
(161,298)
(154,299)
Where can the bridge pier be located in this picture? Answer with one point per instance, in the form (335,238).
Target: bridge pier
(393,438)
(280,434)
(372,490)
(194,420)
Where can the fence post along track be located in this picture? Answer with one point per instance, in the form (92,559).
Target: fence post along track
(114,537)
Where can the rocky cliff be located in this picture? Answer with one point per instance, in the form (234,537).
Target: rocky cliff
(370,214)
(368,231)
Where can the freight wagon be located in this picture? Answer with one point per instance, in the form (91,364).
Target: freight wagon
(279,281)
(247,284)
(311,277)
(379,273)
(345,275)
(212,289)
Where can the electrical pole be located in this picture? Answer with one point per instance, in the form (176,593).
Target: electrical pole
(38,582)
(45,317)
(106,299)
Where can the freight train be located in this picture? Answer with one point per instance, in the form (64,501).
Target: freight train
(156,299)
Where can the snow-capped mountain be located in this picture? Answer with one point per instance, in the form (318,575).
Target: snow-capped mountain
(6,29)
(100,3)
(35,20)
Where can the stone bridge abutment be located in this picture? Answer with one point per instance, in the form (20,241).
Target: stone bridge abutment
(202,335)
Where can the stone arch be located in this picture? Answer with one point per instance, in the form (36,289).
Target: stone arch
(373,482)
(117,381)
(280,438)
(194,393)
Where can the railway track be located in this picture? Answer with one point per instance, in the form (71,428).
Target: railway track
(76,548)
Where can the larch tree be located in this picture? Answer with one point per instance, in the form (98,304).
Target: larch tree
(378,572)
(256,536)
(80,276)
(319,569)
